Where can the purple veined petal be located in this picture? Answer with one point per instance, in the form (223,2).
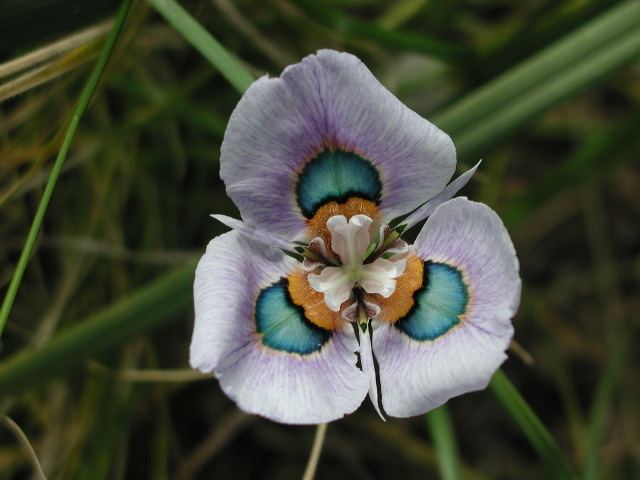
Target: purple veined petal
(287,134)
(456,335)
(268,361)
(447,194)
(261,236)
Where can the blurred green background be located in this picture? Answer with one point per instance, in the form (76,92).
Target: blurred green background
(93,365)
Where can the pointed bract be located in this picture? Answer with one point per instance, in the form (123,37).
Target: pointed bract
(447,194)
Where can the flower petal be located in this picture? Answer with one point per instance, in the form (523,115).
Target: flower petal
(326,130)
(267,356)
(454,337)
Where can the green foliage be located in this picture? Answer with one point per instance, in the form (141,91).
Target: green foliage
(141,177)
(443,436)
(79,111)
(202,41)
(531,426)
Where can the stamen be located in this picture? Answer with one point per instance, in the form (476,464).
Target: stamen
(318,247)
(371,309)
(350,314)
(356,267)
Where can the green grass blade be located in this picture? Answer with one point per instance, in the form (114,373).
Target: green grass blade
(600,409)
(148,308)
(500,123)
(400,12)
(559,57)
(81,108)
(444,442)
(533,428)
(202,41)
(549,22)
(353,27)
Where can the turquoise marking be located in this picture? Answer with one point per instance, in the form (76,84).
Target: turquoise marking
(438,304)
(283,326)
(336,175)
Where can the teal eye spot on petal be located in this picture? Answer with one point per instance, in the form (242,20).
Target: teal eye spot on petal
(282,325)
(336,175)
(438,304)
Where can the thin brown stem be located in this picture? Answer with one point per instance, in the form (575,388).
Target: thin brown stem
(316,449)
(24,441)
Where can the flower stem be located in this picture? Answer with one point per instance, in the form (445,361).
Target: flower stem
(316,449)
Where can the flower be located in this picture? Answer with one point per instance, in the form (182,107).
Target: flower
(313,300)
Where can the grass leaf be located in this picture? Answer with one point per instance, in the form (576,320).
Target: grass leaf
(538,69)
(81,108)
(444,441)
(530,424)
(353,27)
(150,307)
(202,41)
(499,123)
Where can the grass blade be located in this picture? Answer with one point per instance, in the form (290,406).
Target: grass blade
(499,123)
(558,58)
(81,108)
(49,71)
(338,21)
(48,52)
(601,408)
(444,442)
(148,308)
(202,41)
(38,473)
(530,424)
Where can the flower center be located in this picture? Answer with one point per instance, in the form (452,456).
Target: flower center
(355,266)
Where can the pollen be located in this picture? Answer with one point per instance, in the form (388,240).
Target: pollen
(317,226)
(401,302)
(315,309)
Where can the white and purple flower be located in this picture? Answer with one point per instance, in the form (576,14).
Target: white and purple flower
(319,162)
